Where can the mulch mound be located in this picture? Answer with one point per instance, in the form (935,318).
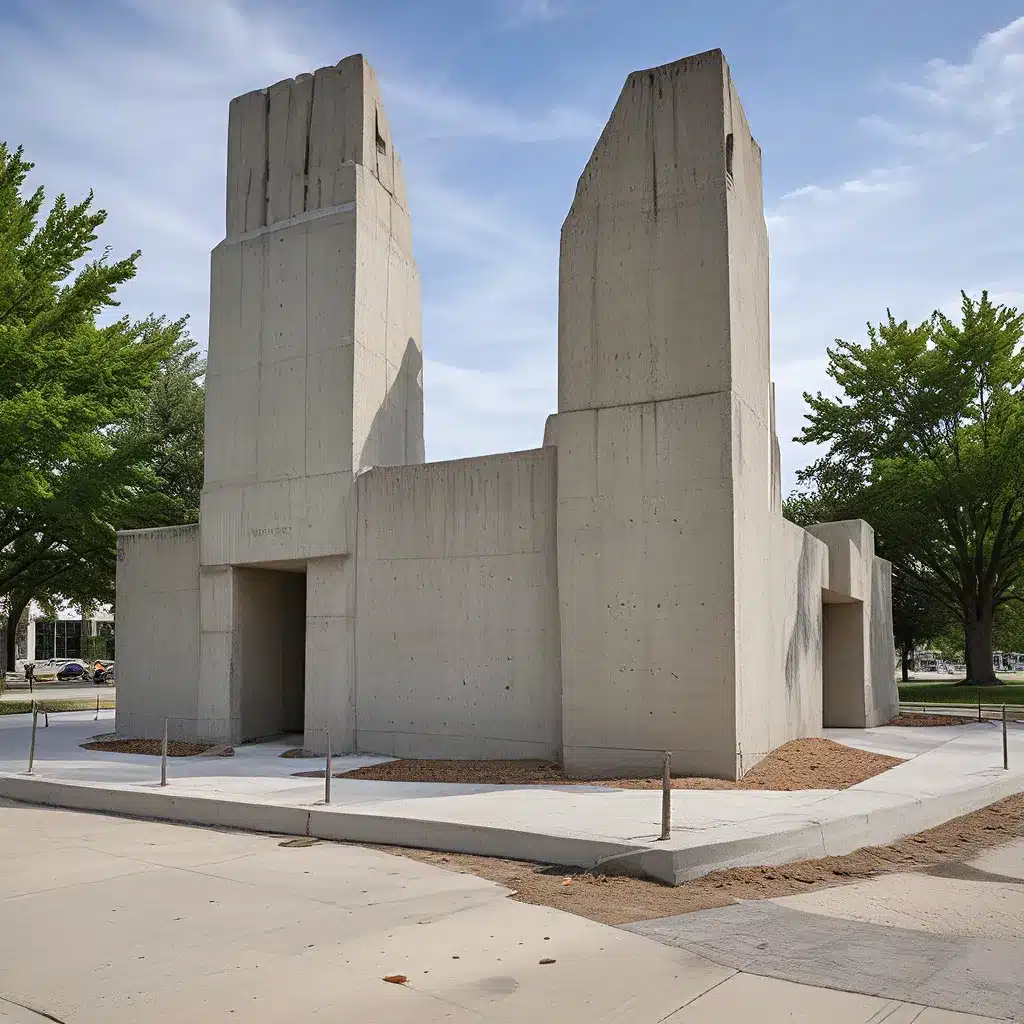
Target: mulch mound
(810,763)
(619,900)
(175,748)
(911,718)
(298,752)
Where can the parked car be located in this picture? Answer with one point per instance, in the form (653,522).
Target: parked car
(70,670)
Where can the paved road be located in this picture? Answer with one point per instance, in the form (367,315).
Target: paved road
(51,691)
(107,919)
(952,938)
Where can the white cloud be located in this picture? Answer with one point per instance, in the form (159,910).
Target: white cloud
(442,114)
(135,95)
(912,231)
(519,12)
(987,91)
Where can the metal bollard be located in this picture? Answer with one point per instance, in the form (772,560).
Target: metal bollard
(163,757)
(32,742)
(327,774)
(666,796)
(1006,752)
(97,718)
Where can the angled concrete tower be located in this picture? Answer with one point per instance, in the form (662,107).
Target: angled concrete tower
(664,429)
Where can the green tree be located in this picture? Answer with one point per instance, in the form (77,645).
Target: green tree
(929,434)
(97,423)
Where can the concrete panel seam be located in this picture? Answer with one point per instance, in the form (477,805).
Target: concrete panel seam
(301,218)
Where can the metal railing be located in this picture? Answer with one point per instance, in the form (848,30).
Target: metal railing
(981,712)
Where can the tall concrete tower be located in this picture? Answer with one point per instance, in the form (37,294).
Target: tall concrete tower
(664,431)
(315,372)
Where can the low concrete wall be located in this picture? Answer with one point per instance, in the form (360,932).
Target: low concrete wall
(157,628)
(781,700)
(457,643)
(883,696)
(859,681)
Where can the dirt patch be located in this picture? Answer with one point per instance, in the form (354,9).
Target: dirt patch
(299,752)
(912,718)
(802,764)
(615,900)
(175,748)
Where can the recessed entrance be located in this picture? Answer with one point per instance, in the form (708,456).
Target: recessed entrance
(270,612)
(842,667)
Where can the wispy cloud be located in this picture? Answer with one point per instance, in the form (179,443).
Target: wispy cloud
(912,231)
(521,12)
(442,114)
(135,95)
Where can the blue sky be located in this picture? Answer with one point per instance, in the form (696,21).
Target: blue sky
(891,132)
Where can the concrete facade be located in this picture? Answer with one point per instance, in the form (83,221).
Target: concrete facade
(627,589)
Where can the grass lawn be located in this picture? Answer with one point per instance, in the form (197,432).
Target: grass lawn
(22,707)
(946,693)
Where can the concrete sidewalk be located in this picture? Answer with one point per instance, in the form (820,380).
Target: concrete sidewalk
(950,771)
(950,937)
(157,922)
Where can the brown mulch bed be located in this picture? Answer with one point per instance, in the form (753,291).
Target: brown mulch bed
(913,718)
(619,900)
(299,752)
(175,748)
(801,764)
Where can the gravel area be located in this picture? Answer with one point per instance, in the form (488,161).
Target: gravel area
(175,748)
(617,900)
(802,764)
(909,718)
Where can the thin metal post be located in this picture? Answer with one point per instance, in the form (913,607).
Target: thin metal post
(97,718)
(46,718)
(163,757)
(32,742)
(979,707)
(1006,752)
(666,796)
(327,774)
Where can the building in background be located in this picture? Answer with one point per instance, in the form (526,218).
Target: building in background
(41,638)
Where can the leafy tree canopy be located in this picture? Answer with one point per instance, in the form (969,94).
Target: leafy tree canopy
(100,426)
(927,441)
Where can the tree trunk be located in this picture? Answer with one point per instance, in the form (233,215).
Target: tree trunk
(16,606)
(978,649)
(905,660)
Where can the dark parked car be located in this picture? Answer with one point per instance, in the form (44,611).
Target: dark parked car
(72,670)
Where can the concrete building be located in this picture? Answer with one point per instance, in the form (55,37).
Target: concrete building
(628,588)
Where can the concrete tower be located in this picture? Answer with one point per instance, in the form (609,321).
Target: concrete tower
(315,372)
(664,429)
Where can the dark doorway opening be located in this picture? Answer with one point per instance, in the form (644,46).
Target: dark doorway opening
(271,615)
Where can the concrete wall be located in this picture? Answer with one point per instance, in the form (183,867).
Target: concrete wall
(781,699)
(645,570)
(331,654)
(883,698)
(859,679)
(457,622)
(157,629)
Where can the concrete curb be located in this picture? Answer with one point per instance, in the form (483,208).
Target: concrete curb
(664,864)
(316,821)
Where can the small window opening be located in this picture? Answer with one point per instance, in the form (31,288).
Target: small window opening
(728,157)
(382,146)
